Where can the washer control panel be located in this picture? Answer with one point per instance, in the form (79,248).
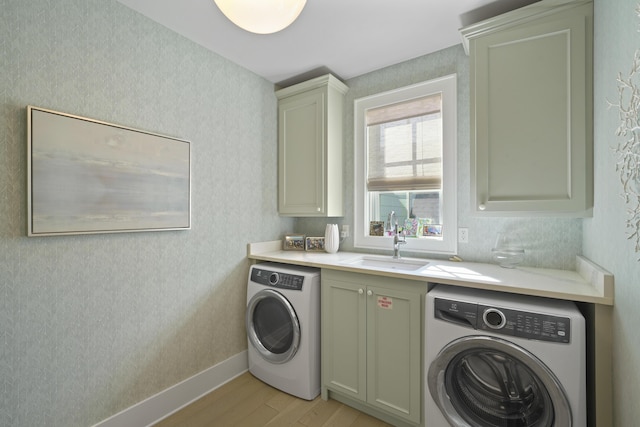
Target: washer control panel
(277,279)
(504,321)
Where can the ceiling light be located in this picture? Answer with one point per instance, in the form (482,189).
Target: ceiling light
(261,16)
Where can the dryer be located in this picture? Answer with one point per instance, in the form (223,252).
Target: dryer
(283,327)
(498,359)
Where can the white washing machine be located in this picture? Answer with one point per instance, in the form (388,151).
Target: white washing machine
(497,359)
(283,327)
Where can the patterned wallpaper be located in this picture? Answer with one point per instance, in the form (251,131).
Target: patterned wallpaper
(548,242)
(606,239)
(90,325)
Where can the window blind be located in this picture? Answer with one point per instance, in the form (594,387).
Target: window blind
(404,143)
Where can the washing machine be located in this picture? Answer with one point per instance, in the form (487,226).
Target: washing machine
(498,359)
(283,327)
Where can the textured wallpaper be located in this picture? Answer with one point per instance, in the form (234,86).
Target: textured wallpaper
(606,239)
(90,325)
(548,242)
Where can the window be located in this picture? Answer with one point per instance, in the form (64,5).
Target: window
(405,163)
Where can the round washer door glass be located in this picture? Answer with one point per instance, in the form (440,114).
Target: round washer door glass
(489,382)
(272,326)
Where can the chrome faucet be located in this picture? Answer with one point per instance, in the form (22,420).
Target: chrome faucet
(397,240)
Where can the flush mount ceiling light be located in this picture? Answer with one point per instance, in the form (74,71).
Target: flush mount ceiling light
(261,16)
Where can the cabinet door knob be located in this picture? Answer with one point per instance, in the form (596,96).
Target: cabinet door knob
(369,293)
(482,207)
(360,291)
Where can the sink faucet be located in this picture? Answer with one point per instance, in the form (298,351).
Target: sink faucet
(397,240)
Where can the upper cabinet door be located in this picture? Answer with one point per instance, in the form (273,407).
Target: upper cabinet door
(531,111)
(301,157)
(310,148)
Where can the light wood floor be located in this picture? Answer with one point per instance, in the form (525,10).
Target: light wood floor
(248,402)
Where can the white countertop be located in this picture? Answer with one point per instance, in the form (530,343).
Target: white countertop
(590,283)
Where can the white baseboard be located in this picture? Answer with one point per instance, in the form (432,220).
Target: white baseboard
(165,403)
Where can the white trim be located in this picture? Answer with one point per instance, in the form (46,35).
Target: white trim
(597,276)
(262,247)
(176,397)
(449,243)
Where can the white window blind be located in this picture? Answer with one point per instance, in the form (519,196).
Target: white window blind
(404,144)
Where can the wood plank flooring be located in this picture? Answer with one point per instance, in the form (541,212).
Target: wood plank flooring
(248,402)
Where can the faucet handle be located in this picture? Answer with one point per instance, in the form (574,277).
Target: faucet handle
(398,239)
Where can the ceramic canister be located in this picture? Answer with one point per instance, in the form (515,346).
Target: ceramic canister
(331,238)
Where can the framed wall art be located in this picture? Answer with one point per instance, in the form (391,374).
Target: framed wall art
(86,176)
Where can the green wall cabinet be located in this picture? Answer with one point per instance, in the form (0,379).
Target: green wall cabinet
(372,342)
(310,148)
(532,110)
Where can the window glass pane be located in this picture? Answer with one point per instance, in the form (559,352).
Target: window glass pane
(405,154)
(418,212)
(405,162)
(429,145)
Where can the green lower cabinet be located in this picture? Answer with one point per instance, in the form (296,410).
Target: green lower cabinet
(372,342)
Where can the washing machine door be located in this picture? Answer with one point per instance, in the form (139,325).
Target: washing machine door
(481,381)
(273,327)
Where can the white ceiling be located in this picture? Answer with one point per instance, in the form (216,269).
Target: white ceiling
(345,37)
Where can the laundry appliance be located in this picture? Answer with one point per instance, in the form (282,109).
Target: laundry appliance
(499,359)
(283,327)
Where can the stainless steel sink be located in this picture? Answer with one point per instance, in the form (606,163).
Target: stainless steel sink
(387,263)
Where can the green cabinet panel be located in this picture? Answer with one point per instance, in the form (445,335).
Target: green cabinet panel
(344,330)
(301,160)
(310,148)
(531,110)
(394,350)
(372,341)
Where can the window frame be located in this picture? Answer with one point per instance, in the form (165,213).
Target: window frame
(448,244)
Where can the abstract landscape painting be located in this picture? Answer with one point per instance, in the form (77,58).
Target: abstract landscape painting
(87,176)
